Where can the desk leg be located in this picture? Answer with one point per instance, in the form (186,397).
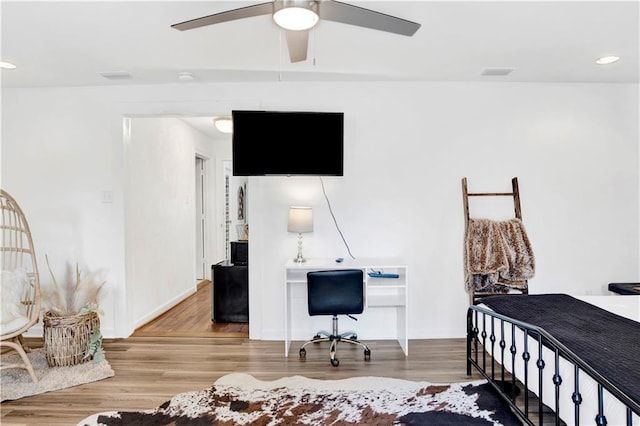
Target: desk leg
(403,328)
(287,319)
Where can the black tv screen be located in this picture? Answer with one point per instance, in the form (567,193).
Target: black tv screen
(287,143)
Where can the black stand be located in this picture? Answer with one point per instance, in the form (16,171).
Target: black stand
(230,292)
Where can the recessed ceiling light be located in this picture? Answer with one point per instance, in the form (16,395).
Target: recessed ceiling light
(7,65)
(604,60)
(223,124)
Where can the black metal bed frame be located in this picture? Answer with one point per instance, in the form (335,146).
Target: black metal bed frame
(487,329)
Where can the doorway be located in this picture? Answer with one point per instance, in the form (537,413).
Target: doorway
(173,199)
(236,219)
(201,219)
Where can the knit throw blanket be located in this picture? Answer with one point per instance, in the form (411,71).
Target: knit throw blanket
(497,253)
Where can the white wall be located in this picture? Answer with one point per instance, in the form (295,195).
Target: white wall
(58,158)
(574,148)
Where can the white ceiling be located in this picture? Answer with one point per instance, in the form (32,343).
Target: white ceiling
(56,43)
(67,43)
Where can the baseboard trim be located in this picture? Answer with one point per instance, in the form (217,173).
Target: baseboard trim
(202,283)
(162,309)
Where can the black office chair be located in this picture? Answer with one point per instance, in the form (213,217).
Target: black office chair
(338,292)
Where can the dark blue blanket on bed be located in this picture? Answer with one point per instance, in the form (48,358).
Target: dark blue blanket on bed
(607,342)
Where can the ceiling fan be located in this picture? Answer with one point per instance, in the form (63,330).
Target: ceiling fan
(297,17)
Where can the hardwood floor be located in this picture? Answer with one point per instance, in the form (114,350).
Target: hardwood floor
(176,353)
(149,370)
(192,318)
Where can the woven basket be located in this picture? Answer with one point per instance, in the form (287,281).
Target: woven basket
(66,338)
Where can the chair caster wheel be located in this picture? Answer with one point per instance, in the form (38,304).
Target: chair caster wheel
(316,337)
(303,353)
(354,337)
(367,354)
(335,362)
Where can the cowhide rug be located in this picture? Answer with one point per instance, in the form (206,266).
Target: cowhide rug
(240,399)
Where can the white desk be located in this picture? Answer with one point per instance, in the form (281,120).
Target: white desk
(380,293)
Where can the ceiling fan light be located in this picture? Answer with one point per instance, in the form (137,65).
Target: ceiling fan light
(295,18)
(223,124)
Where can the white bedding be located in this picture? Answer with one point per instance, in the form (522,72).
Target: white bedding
(614,411)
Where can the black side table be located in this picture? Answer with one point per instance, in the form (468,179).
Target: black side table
(230,292)
(625,288)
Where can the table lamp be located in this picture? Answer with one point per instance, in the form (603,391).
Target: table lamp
(300,221)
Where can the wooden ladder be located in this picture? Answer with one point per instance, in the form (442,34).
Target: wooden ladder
(515,193)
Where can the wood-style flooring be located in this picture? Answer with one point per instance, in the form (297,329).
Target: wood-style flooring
(192,318)
(150,370)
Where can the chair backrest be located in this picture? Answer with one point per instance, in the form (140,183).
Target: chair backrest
(335,292)
(20,280)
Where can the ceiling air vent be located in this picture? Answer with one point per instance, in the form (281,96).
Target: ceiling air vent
(492,72)
(116,75)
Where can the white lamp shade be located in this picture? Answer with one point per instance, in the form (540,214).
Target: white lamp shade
(300,219)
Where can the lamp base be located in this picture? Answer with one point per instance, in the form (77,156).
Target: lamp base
(299,258)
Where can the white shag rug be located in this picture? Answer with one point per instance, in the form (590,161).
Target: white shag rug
(16,383)
(241,399)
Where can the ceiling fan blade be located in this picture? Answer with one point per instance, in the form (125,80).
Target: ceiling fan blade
(297,42)
(336,11)
(229,15)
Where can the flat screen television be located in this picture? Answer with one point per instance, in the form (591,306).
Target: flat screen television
(287,143)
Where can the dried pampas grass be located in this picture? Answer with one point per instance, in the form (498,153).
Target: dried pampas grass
(73,298)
